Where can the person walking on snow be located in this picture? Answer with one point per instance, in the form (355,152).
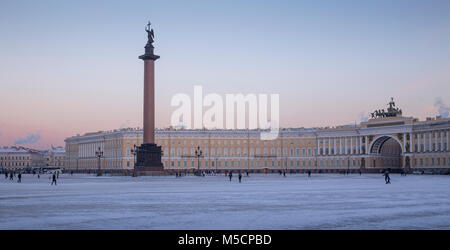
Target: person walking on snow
(53,179)
(240,177)
(19,177)
(387,178)
(230,175)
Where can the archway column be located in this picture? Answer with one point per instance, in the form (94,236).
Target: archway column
(366,147)
(404,143)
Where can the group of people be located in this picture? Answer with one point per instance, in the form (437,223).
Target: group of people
(230,175)
(12,174)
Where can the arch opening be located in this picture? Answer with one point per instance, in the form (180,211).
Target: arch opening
(386,152)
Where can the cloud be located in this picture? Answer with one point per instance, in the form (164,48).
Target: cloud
(0,133)
(442,108)
(125,125)
(30,139)
(363,116)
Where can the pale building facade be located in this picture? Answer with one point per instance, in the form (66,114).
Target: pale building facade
(55,157)
(13,158)
(388,142)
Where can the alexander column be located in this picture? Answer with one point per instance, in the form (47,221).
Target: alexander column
(148,155)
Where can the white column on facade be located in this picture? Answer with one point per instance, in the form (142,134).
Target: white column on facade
(419,148)
(346,145)
(318,147)
(424,142)
(351,145)
(418,143)
(404,142)
(340,145)
(441,146)
(360,145)
(446,135)
(367,150)
(329,146)
(334,141)
(429,141)
(411,143)
(435,142)
(424,139)
(422,149)
(323,147)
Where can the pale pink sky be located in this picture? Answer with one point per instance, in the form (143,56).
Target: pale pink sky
(71,67)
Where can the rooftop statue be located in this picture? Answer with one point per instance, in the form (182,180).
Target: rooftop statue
(150,33)
(392,111)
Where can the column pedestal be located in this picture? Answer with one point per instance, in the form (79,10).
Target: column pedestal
(148,160)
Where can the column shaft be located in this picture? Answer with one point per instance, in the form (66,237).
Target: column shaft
(149,101)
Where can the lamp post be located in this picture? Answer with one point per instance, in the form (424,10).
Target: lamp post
(134,152)
(198,154)
(99,155)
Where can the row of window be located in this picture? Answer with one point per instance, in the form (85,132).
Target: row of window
(433,147)
(239,151)
(427,162)
(230,163)
(231,142)
(11,164)
(14,158)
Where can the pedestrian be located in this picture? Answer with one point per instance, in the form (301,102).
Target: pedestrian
(11,176)
(39,176)
(247,173)
(54,179)
(360,173)
(240,177)
(19,178)
(6,175)
(387,179)
(284,173)
(309,173)
(57,174)
(230,175)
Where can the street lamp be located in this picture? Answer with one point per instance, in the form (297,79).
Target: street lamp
(134,152)
(99,155)
(198,154)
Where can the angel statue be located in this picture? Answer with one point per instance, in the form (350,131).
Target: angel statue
(150,33)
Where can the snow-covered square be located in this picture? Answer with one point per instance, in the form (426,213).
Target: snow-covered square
(261,201)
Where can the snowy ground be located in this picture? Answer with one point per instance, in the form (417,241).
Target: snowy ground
(260,202)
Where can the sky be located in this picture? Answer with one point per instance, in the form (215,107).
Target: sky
(71,67)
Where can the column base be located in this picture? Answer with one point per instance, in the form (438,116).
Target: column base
(148,158)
